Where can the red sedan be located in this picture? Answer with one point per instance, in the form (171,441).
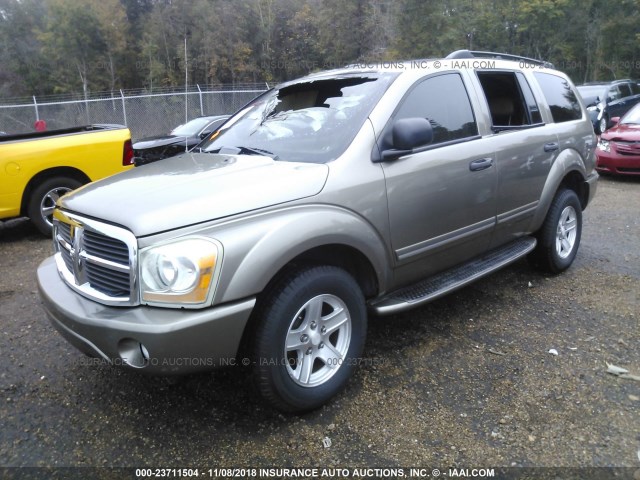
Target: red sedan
(619,147)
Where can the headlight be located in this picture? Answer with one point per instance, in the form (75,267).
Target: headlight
(181,272)
(604,145)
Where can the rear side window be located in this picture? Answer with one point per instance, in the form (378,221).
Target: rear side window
(511,102)
(614,93)
(442,100)
(625,90)
(560,97)
(534,111)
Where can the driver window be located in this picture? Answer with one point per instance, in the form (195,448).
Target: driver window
(442,100)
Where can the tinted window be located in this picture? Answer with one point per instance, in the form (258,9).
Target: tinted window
(532,105)
(442,100)
(635,89)
(560,96)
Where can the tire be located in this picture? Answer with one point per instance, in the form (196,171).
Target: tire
(603,124)
(559,237)
(43,199)
(322,313)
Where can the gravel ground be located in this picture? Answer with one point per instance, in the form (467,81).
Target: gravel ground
(466,381)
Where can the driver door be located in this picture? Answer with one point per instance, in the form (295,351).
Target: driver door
(441,198)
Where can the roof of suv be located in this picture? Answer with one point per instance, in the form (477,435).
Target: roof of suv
(460,56)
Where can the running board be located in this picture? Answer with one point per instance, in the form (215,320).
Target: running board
(439,285)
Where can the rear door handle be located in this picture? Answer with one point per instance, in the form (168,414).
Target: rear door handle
(551,147)
(481,164)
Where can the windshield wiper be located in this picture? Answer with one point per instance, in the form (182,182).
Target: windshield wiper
(247,151)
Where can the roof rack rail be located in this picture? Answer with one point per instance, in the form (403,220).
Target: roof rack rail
(607,82)
(501,56)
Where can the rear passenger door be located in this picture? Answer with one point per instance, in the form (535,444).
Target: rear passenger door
(525,150)
(441,197)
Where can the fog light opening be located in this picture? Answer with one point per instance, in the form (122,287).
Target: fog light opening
(133,353)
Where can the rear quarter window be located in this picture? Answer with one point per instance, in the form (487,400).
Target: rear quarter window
(560,97)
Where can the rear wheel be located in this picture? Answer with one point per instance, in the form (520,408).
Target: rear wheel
(603,124)
(559,237)
(309,332)
(43,201)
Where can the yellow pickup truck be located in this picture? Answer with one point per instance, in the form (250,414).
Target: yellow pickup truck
(37,168)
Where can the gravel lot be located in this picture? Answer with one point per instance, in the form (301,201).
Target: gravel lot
(467,381)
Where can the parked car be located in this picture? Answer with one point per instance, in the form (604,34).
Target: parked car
(369,188)
(607,100)
(181,139)
(618,149)
(39,167)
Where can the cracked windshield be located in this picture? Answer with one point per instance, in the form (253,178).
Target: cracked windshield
(294,122)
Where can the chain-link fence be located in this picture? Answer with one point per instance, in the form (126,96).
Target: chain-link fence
(146,114)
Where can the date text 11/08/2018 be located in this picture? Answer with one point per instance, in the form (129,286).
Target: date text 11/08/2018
(311,472)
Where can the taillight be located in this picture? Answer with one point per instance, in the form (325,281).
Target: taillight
(127,154)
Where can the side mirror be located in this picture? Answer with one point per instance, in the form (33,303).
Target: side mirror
(615,121)
(407,134)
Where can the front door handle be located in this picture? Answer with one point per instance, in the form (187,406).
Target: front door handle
(551,147)
(481,164)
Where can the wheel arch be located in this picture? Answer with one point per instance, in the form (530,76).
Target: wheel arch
(343,256)
(40,177)
(574,180)
(260,248)
(568,171)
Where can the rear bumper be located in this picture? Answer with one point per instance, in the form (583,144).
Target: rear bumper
(152,340)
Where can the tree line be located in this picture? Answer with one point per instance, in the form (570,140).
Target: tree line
(81,46)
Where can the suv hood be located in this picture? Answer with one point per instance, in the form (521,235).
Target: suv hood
(194,188)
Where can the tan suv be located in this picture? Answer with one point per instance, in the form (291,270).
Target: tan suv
(377,188)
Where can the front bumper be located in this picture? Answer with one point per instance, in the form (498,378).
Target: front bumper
(153,340)
(618,164)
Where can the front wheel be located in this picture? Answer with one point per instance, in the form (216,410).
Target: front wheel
(559,237)
(43,201)
(310,332)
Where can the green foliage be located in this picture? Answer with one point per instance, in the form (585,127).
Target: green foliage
(49,46)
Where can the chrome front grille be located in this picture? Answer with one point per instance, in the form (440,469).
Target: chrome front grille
(96,259)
